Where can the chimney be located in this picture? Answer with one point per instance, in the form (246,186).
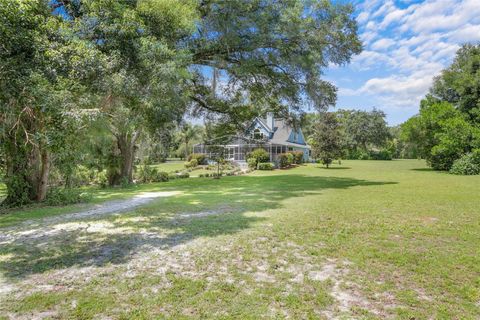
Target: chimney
(270,120)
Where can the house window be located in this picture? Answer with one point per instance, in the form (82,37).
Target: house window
(257,134)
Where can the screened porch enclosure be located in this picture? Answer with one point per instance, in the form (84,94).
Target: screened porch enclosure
(239,152)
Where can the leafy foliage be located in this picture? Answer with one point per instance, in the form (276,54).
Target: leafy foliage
(363,130)
(468,164)
(327,140)
(459,84)
(191,164)
(201,158)
(285,160)
(442,133)
(119,71)
(266,166)
(46,73)
(65,196)
(259,155)
(252,163)
(273,51)
(297,156)
(149,174)
(447,128)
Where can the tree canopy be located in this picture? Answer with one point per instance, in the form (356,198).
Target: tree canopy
(327,141)
(448,125)
(129,68)
(459,84)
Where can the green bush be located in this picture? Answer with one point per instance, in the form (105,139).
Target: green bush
(161,177)
(363,156)
(145,173)
(184,175)
(65,196)
(442,157)
(201,158)
(149,174)
(252,163)
(285,160)
(297,156)
(191,164)
(101,179)
(82,176)
(259,155)
(469,164)
(381,155)
(216,175)
(265,166)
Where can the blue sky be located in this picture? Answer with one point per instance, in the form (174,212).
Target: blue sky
(406,43)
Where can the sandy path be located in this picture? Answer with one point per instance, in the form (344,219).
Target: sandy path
(38,228)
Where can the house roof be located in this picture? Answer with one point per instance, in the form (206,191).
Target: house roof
(281,133)
(263,122)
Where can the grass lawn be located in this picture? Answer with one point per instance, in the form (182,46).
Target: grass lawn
(170,166)
(368,239)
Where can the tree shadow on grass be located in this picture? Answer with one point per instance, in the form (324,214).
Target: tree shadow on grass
(116,238)
(429,170)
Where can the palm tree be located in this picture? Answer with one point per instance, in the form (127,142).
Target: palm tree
(188,133)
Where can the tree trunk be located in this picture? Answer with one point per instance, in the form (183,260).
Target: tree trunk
(28,169)
(42,182)
(126,145)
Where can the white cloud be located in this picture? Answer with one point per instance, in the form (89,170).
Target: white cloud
(467,33)
(411,44)
(383,44)
(368,59)
(363,17)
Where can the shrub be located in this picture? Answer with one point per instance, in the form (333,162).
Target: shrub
(146,173)
(442,158)
(161,177)
(182,175)
(252,163)
(101,179)
(363,156)
(81,176)
(64,196)
(297,156)
(285,160)
(191,164)
(381,155)
(216,175)
(265,166)
(149,174)
(468,164)
(259,155)
(201,158)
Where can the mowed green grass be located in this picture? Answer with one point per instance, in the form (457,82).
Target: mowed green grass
(170,166)
(409,236)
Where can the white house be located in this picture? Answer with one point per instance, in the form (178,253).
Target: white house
(270,133)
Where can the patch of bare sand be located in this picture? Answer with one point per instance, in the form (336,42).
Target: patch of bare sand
(50,226)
